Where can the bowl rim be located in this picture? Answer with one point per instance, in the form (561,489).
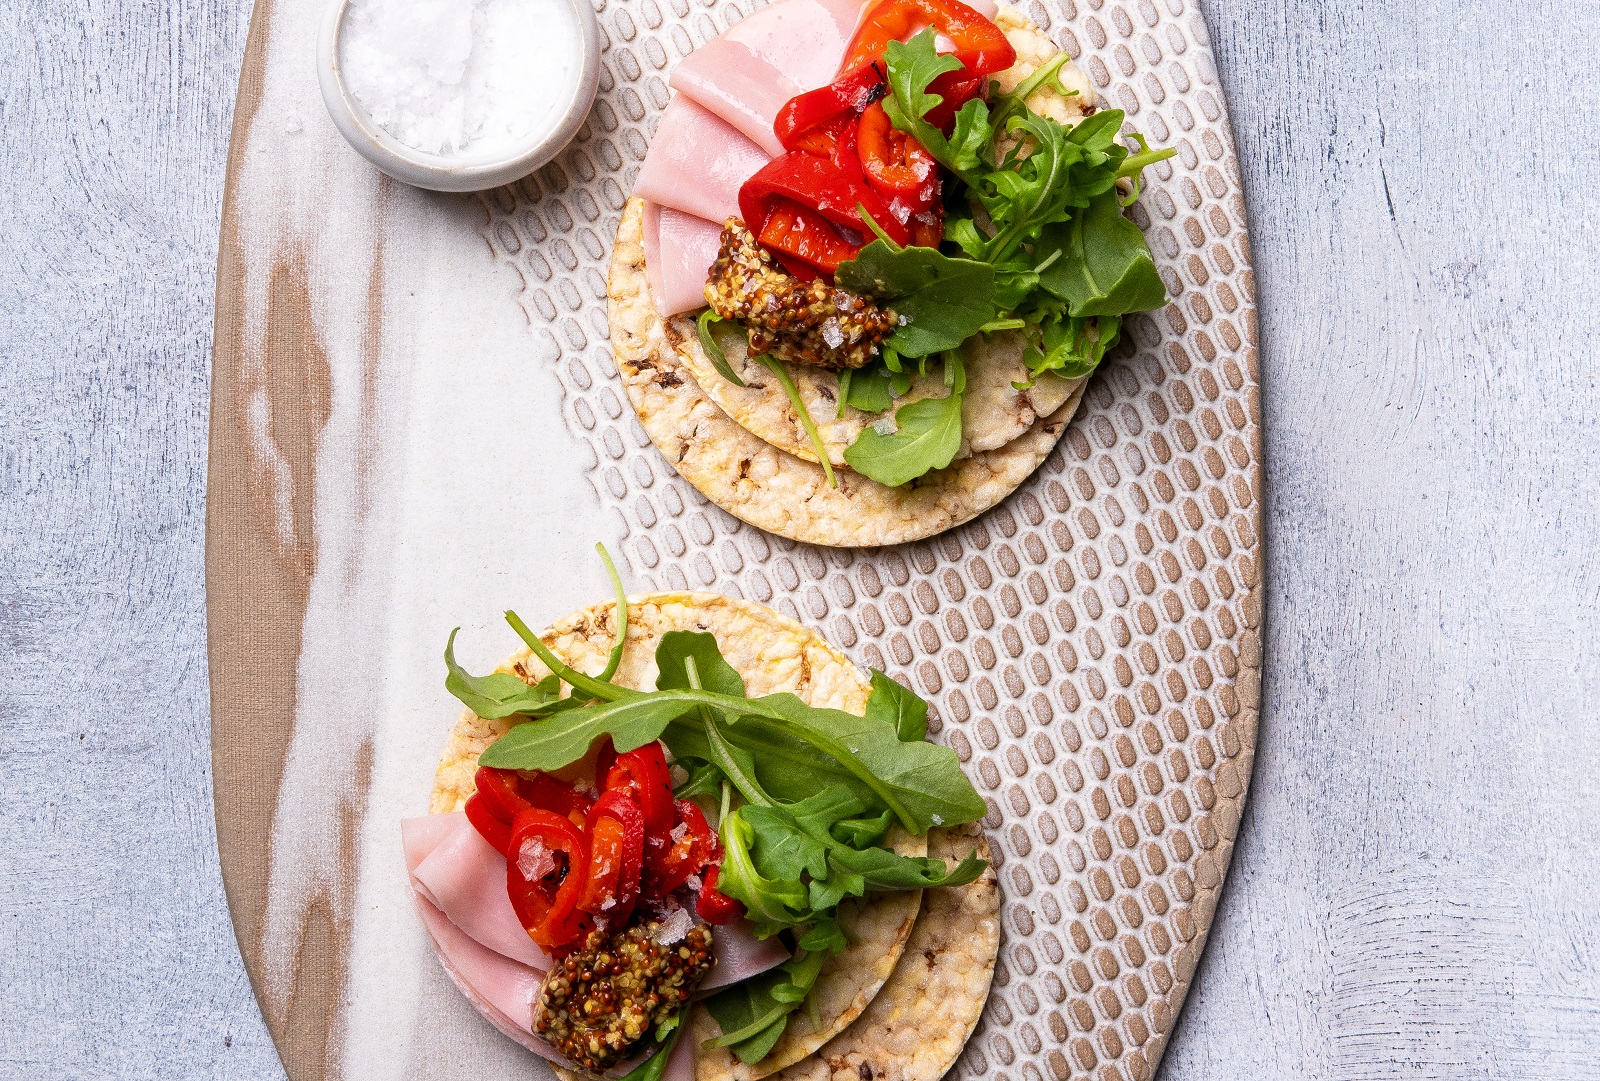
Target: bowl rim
(431,171)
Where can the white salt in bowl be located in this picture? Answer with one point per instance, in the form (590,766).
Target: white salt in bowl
(465,170)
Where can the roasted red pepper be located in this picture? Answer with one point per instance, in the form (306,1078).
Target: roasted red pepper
(501,792)
(543,790)
(641,775)
(616,858)
(818,184)
(691,846)
(547,869)
(980,45)
(809,121)
(713,905)
(797,231)
(895,163)
(490,828)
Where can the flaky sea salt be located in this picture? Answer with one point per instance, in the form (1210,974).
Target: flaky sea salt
(534,860)
(674,926)
(462,79)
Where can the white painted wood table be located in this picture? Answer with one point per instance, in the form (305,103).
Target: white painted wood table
(1414,892)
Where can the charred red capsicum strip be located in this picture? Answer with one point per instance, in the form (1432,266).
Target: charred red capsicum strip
(547,868)
(808,121)
(490,828)
(798,231)
(713,905)
(641,775)
(818,184)
(543,790)
(501,792)
(893,162)
(980,45)
(616,858)
(687,851)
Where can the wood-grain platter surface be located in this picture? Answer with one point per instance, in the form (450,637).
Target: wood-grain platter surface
(417,423)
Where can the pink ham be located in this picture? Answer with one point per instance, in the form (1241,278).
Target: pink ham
(740,954)
(697,163)
(465,878)
(678,252)
(745,75)
(502,990)
(421,835)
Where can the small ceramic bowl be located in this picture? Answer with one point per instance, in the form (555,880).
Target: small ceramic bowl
(446,174)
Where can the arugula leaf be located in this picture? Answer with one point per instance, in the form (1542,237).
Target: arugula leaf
(928,438)
(862,832)
(771,903)
(786,381)
(912,66)
(498,694)
(621,609)
(941,300)
(1105,267)
(871,389)
(590,685)
(882,869)
(754,1013)
(566,737)
(705,779)
(716,674)
(826,935)
(788,769)
(892,703)
(921,782)
(1070,346)
(1062,170)
(713,348)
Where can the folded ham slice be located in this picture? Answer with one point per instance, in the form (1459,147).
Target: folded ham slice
(745,75)
(501,989)
(465,878)
(679,249)
(740,954)
(697,163)
(421,835)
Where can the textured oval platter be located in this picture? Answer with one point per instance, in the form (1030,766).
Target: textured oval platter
(416,422)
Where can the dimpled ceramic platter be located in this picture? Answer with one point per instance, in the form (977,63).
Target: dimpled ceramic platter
(417,423)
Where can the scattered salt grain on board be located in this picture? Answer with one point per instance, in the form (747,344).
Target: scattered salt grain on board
(463,79)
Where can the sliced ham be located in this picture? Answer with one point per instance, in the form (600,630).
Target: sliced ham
(745,75)
(465,878)
(697,163)
(421,835)
(501,989)
(740,954)
(679,249)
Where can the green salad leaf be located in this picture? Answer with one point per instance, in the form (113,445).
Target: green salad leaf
(715,674)
(754,1013)
(498,694)
(891,702)
(912,66)
(942,300)
(1106,267)
(870,388)
(668,1033)
(927,438)
(557,741)
(705,326)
